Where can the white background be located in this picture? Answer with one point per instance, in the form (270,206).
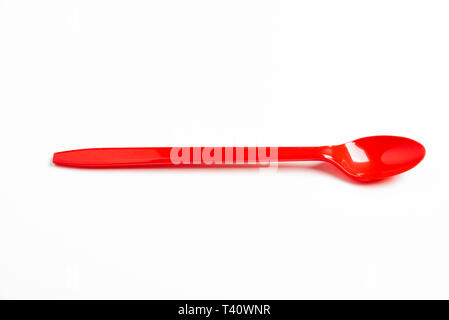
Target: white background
(79,74)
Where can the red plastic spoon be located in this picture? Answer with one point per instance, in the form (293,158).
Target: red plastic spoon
(365,159)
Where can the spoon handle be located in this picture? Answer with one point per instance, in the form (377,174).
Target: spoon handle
(287,154)
(191,156)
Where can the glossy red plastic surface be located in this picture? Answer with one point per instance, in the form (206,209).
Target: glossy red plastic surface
(365,159)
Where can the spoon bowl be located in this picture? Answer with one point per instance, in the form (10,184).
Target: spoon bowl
(377,157)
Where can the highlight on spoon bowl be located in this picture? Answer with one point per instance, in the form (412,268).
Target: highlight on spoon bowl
(366,159)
